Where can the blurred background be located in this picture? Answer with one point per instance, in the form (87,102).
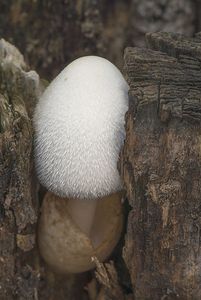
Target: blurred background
(51,33)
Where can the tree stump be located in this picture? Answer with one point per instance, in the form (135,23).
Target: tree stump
(161,167)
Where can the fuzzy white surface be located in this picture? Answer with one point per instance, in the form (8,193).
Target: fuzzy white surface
(79,129)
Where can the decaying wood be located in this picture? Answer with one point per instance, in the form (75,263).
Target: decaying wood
(108,278)
(19,89)
(161,167)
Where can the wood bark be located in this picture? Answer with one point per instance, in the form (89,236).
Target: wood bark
(161,167)
(18,93)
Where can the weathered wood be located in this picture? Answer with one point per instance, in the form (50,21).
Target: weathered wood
(161,167)
(18,208)
(108,278)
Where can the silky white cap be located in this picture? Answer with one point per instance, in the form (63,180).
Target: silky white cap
(79,129)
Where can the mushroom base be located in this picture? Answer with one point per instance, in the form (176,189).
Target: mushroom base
(65,247)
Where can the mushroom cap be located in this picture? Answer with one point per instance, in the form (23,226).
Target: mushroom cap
(79,129)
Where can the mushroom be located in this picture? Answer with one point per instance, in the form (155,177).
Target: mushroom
(79,131)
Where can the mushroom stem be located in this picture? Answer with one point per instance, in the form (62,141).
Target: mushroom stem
(82,212)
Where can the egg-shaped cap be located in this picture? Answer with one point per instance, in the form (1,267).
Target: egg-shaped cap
(79,129)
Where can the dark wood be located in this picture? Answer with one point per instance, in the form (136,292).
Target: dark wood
(18,208)
(107,276)
(161,167)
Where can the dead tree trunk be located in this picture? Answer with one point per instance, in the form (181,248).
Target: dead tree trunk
(161,168)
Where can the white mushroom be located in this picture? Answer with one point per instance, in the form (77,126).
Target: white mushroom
(79,130)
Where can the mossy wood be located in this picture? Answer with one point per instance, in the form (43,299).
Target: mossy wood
(161,167)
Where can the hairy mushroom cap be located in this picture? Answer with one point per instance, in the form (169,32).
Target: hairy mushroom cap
(79,125)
